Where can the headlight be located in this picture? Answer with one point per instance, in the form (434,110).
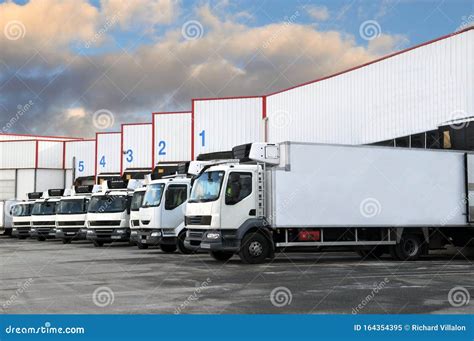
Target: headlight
(156,234)
(213,236)
(120,231)
(14,229)
(90,231)
(58,230)
(33,230)
(133,233)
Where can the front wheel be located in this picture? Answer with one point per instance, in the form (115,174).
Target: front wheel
(66,241)
(221,256)
(41,239)
(181,247)
(98,243)
(255,248)
(142,246)
(167,248)
(409,248)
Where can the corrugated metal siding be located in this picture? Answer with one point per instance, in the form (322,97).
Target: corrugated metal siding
(84,152)
(50,154)
(7,184)
(15,137)
(108,153)
(405,94)
(172,137)
(220,124)
(49,178)
(25,183)
(17,154)
(137,141)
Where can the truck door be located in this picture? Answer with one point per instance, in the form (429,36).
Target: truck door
(470,187)
(239,202)
(172,213)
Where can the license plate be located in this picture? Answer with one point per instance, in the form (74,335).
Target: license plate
(69,233)
(205,245)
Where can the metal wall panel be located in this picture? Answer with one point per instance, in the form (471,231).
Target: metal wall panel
(108,152)
(220,124)
(25,183)
(17,154)
(408,93)
(84,152)
(7,184)
(48,179)
(136,146)
(50,154)
(172,136)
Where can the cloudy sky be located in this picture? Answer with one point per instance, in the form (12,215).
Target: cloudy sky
(64,62)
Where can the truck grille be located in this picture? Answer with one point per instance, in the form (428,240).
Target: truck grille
(25,223)
(193,234)
(43,223)
(145,222)
(103,232)
(198,220)
(71,223)
(72,229)
(105,223)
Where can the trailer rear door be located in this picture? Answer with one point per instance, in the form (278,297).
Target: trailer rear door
(470,187)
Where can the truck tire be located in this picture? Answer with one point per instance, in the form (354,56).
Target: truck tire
(409,248)
(168,248)
(182,249)
(255,248)
(41,239)
(98,243)
(221,256)
(142,246)
(66,241)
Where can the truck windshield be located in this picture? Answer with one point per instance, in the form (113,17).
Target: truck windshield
(137,200)
(153,195)
(207,187)
(21,210)
(107,204)
(44,208)
(72,206)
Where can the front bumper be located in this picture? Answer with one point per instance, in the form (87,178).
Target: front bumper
(150,237)
(108,235)
(43,231)
(20,232)
(223,240)
(71,233)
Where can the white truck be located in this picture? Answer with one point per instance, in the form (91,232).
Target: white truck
(162,214)
(43,215)
(6,217)
(301,196)
(135,205)
(71,214)
(108,215)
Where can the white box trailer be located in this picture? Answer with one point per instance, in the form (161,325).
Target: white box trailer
(221,123)
(108,154)
(373,200)
(171,137)
(136,146)
(408,92)
(80,156)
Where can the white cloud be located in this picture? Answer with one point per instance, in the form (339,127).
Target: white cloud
(320,13)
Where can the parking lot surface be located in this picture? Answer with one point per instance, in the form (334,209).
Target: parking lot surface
(49,277)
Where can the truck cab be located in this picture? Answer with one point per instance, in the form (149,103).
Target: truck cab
(162,214)
(223,198)
(71,215)
(21,219)
(137,200)
(108,214)
(43,215)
